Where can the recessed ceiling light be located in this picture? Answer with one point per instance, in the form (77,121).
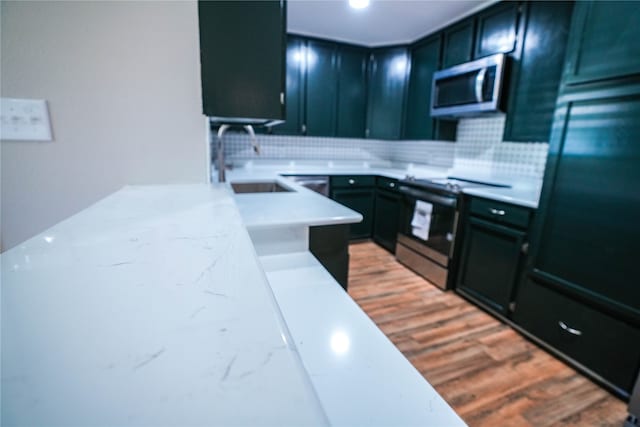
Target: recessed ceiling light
(358,4)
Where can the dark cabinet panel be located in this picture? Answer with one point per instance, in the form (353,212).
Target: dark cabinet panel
(497,30)
(425,60)
(295,89)
(358,193)
(590,234)
(330,245)
(490,261)
(458,43)
(501,213)
(360,200)
(605,345)
(242,58)
(322,86)
(352,181)
(388,72)
(386,219)
(604,42)
(536,71)
(352,92)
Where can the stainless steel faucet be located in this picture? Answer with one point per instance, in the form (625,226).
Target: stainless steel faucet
(221,132)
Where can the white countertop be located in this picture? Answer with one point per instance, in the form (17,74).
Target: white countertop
(361,378)
(522,191)
(297,207)
(148,308)
(152,307)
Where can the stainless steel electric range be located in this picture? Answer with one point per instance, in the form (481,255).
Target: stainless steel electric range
(428,225)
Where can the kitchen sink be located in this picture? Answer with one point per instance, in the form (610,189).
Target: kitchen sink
(258,187)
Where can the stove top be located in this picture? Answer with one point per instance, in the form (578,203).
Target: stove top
(447,185)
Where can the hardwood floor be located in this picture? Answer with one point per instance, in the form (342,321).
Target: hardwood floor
(487,372)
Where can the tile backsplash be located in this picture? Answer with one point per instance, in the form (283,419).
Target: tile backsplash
(478,145)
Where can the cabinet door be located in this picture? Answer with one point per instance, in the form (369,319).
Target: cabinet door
(535,76)
(360,200)
(604,41)
(425,59)
(294,104)
(388,69)
(589,238)
(242,58)
(322,86)
(386,219)
(330,245)
(352,92)
(489,266)
(458,44)
(604,344)
(497,30)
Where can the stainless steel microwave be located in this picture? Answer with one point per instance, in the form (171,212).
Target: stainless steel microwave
(468,89)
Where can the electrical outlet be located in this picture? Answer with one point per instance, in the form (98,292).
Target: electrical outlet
(24,120)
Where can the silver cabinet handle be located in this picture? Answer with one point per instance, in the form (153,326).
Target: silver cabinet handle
(499,212)
(304,128)
(392,184)
(351,181)
(569,329)
(281,98)
(480,83)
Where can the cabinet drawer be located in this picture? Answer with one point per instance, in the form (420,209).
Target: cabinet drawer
(387,183)
(505,213)
(605,345)
(351,181)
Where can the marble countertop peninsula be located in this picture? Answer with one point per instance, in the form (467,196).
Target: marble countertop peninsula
(148,308)
(190,305)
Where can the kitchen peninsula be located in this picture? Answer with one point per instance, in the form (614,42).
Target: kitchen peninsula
(153,307)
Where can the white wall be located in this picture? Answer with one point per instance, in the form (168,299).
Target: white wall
(123,83)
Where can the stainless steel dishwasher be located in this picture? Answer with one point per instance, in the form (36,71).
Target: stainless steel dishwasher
(317,183)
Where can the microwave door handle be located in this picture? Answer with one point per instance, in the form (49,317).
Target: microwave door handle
(480,84)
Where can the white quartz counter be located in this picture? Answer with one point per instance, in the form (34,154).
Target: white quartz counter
(148,308)
(522,191)
(154,307)
(520,194)
(297,207)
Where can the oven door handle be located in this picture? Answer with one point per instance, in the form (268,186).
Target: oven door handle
(428,197)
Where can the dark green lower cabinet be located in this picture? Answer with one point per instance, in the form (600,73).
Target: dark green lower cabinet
(603,344)
(490,261)
(387,215)
(360,200)
(330,245)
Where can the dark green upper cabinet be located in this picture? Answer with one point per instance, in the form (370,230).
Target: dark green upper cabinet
(425,60)
(606,43)
(536,69)
(388,72)
(352,92)
(242,59)
(497,30)
(322,86)
(295,88)
(458,43)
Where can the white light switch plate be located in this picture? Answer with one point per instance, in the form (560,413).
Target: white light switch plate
(24,119)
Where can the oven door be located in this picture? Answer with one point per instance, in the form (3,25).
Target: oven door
(443,221)
(428,257)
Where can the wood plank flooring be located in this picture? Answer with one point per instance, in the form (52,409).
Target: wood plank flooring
(487,372)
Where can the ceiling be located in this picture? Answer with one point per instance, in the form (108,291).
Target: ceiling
(384,22)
